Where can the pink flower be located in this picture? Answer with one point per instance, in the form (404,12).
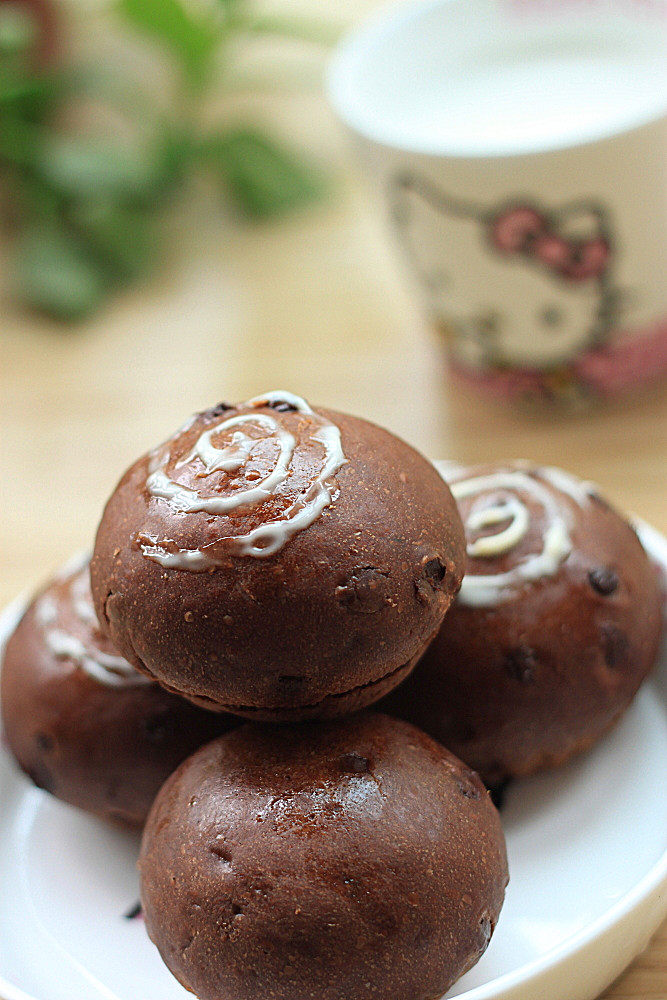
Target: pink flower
(576,260)
(526,231)
(554,251)
(516,229)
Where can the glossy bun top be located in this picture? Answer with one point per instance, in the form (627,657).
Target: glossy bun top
(277,560)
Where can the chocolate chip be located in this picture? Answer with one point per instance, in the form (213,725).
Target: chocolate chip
(604,580)
(467,786)
(133,912)
(105,606)
(435,571)
(44,741)
(521,663)
(217,411)
(282,406)
(485,928)
(354,763)
(615,645)
(220,852)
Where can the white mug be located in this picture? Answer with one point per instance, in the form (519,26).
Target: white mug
(520,147)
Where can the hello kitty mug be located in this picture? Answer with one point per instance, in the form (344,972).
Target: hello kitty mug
(520,148)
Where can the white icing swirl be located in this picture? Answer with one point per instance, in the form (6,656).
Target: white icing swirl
(268,538)
(46,610)
(492,545)
(579,490)
(113,671)
(487,590)
(106,668)
(186,500)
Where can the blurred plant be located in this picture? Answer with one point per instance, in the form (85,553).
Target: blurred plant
(85,212)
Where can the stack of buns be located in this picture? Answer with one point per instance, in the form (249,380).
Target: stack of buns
(258,581)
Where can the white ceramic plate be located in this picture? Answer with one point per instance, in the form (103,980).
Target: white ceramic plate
(588,861)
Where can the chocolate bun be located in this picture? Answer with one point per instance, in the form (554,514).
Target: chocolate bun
(351,859)
(556,625)
(276,561)
(83,723)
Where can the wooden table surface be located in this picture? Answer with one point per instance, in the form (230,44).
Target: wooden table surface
(317,304)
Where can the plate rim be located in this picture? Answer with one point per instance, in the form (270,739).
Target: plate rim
(643,892)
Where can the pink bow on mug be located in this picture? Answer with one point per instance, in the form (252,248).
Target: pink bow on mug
(524,230)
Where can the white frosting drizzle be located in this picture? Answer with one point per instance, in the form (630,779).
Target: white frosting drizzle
(113,671)
(106,668)
(231,458)
(491,545)
(268,538)
(46,610)
(579,490)
(487,590)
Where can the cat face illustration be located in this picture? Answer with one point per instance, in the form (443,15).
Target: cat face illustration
(513,285)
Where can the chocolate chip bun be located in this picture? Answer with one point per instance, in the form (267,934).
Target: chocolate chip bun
(351,859)
(82,722)
(556,625)
(277,561)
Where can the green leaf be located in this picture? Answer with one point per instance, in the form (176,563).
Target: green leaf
(19,142)
(30,98)
(30,201)
(173,150)
(56,275)
(84,168)
(263,178)
(121,238)
(192,39)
